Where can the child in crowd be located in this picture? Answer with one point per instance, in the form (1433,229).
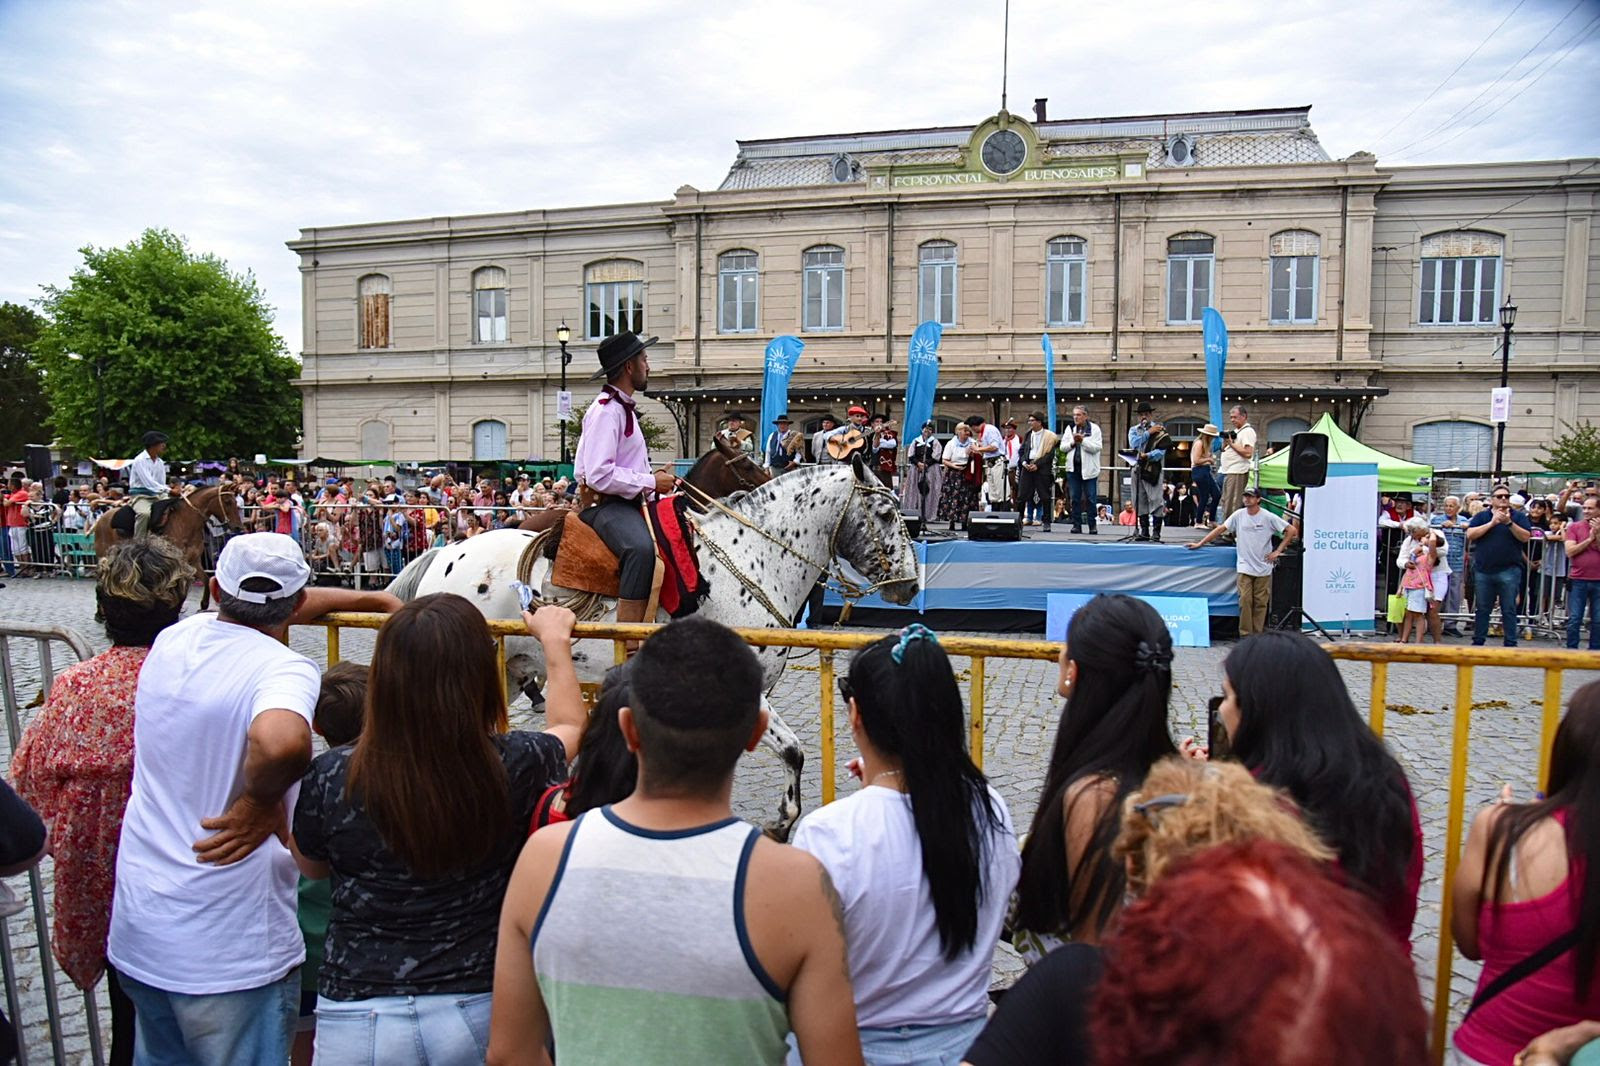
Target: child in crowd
(1415,559)
(337,720)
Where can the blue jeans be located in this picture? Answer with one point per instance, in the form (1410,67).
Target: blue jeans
(913,1045)
(397,559)
(252,1027)
(441,1030)
(1488,585)
(5,553)
(1579,593)
(1207,492)
(1080,501)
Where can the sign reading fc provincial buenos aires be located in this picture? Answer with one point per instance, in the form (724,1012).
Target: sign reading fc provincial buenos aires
(1094,172)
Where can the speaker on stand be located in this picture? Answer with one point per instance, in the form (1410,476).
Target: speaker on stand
(913,524)
(1308,468)
(36,462)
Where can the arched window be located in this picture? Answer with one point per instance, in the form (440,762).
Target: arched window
(1066,265)
(1466,446)
(824,288)
(1281,430)
(1460,278)
(936,277)
(737,280)
(489,440)
(373,292)
(1293,276)
(1191,260)
(614,293)
(375,440)
(489,305)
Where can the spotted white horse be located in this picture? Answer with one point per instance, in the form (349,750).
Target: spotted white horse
(761,554)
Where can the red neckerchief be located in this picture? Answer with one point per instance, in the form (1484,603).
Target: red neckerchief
(611,392)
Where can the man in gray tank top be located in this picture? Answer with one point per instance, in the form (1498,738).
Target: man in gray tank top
(664,914)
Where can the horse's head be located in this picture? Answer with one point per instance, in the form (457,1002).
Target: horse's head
(742,472)
(872,537)
(224,505)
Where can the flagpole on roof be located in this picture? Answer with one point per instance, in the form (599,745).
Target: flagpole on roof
(1005,55)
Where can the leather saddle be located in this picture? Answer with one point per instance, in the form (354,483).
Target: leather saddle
(122,518)
(580,559)
(581,562)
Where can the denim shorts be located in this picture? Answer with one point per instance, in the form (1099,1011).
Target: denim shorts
(441,1030)
(913,1045)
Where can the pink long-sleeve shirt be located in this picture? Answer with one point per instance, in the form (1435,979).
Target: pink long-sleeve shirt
(609,460)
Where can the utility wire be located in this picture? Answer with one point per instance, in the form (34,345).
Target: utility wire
(1385,134)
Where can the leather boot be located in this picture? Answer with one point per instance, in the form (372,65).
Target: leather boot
(631,611)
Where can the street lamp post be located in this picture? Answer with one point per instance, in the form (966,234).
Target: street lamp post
(1508,319)
(563,335)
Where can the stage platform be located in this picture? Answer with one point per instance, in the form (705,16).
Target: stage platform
(1002,585)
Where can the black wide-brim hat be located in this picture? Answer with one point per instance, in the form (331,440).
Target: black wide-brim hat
(1144,408)
(617,350)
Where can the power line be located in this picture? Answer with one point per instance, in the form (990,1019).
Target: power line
(1384,135)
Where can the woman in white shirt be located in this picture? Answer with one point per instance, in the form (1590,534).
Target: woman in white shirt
(923,856)
(958,494)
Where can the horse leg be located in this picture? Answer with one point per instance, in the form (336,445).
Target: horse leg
(783,743)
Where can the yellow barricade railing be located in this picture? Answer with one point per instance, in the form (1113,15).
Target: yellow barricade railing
(981,649)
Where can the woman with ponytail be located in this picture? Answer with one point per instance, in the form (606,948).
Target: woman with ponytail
(1116,673)
(923,857)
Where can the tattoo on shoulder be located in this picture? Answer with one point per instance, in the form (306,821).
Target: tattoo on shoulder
(836,905)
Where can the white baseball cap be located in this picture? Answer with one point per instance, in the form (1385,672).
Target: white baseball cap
(273,556)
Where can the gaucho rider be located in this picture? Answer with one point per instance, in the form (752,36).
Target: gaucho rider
(614,465)
(147,480)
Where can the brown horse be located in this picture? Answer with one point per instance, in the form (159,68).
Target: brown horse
(720,472)
(185,527)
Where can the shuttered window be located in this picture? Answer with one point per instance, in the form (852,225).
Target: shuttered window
(373,296)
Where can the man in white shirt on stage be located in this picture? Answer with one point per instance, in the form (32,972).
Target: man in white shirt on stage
(147,480)
(987,442)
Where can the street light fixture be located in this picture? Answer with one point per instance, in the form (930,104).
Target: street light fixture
(1508,319)
(563,335)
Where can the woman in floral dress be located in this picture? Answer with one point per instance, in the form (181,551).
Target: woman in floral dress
(74,763)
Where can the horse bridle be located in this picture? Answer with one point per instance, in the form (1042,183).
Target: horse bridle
(744,482)
(222,512)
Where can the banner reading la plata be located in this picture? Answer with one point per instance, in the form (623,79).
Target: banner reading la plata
(922,376)
(1341,539)
(782,354)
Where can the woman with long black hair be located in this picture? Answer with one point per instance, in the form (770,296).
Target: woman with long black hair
(1116,673)
(923,857)
(1292,722)
(1528,889)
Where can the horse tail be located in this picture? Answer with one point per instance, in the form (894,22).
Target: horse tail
(404,586)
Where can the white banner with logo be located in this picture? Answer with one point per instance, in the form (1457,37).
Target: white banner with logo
(1341,539)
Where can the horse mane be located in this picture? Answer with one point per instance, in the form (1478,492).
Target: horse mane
(700,463)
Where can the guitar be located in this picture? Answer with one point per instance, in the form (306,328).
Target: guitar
(840,445)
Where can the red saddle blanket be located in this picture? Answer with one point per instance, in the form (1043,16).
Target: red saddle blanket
(682,586)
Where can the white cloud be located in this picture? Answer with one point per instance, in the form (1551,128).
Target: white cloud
(238,124)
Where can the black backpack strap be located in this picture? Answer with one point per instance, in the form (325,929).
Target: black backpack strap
(1527,967)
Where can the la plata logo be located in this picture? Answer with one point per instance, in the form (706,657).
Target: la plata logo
(1341,580)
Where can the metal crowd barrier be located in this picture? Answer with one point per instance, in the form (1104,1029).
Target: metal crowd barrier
(38,942)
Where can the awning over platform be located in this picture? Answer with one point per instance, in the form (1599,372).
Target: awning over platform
(802,390)
(1394,474)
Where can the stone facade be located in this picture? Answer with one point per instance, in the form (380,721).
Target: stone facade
(1344,239)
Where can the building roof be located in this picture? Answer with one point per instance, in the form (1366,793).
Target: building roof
(1221,139)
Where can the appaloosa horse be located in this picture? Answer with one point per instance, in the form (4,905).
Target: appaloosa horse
(185,526)
(761,554)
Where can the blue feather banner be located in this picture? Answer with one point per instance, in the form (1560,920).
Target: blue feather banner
(1049,380)
(922,376)
(782,354)
(1216,341)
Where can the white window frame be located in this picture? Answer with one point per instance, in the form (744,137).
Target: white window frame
(1066,270)
(372,285)
(739,271)
(505,442)
(491,306)
(938,281)
(1480,435)
(602,298)
(1298,265)
(815,277)
(1439,287)
(1185,262)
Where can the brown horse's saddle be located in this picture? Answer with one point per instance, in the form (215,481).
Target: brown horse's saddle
(580,559)
(160,511)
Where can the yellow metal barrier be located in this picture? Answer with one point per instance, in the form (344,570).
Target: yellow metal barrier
(980,649)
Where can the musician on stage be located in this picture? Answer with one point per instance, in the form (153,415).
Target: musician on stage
(989,445)
(963,474)
(1149,440)
(924,473)
(839,452)
(1037,474)
(885,450)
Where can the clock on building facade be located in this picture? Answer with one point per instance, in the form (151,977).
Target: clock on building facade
(1004,152)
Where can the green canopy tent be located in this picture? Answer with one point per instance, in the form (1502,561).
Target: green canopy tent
(1394,474)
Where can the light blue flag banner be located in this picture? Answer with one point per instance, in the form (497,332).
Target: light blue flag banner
(922,376)
(1049,380)
(782,354)
(1216,339)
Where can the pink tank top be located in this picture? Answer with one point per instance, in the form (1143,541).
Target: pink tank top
(1539,1002)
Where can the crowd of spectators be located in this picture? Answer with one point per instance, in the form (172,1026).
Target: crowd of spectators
(437,888)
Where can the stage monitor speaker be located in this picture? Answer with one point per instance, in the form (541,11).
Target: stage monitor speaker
(1308,460)
(1284,612)
(994,525)
(36,461)
(913,524)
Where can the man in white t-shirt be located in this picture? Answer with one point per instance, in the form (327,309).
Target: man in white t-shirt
(1253,530)
(1236,458)
(203,929)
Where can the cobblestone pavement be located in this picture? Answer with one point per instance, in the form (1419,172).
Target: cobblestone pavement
(1021,710)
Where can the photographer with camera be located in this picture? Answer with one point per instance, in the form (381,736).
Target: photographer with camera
(1237,455)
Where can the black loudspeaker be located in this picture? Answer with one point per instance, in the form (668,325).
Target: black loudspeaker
(913,524)
(36,462)
(1284,611)
(1308,460)
(994,525)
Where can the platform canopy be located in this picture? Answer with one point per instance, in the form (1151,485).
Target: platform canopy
(1394,474)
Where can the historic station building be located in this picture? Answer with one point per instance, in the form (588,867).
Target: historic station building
(1371,291)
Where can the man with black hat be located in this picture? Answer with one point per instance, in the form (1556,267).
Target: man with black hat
(735,433)
(1149,440)
(147,480)
(778,458)
(613,464)
(819,439)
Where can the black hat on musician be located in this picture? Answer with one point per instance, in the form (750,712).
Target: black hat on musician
(616,350)
(781,420)
(1144,408)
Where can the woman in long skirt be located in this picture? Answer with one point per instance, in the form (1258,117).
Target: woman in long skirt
(924,474)
(959,494)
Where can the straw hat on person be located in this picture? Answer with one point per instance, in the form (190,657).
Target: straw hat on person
(1209,430)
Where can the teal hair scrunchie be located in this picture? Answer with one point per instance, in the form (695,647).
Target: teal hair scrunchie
(914,631)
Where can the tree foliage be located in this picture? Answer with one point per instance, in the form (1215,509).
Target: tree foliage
(180,343)
(23,407)
(655,434)
(1577,451)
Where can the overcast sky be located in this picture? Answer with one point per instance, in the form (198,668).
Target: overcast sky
(235,124)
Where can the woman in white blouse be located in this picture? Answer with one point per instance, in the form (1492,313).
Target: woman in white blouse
(959,493)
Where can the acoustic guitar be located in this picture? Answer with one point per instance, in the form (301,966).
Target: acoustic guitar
(840,445)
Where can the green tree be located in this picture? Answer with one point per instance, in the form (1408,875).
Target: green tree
(23,407)
(1577,451)
(655,434)
(161,338)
